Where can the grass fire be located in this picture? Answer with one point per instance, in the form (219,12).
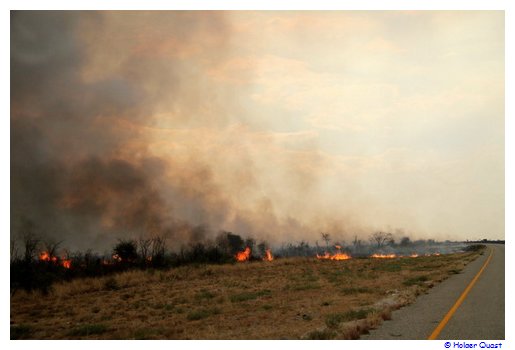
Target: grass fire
(295,291)
(246,174)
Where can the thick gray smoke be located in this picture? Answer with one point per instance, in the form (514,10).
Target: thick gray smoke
(80,171)
(128,124)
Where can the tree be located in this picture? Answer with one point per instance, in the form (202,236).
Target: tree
(51,247)
(144,245)
(30,244)
(327,238)
(14,250)
(236,243)
(126,251)
(405,241)
(357,244)
(158,250)
(230,243)
(381,238)
(262,248)
(250,242)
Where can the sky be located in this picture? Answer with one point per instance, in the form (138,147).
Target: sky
(272,124)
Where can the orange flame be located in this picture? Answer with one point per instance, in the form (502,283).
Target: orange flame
(268,255)
(337,256)
(45,256)
(338,247)
(414,255)
(67,263)
(244,255)
(383,256)
(116,257)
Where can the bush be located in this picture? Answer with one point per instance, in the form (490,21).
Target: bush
(235,298)
(321,335)
(353,291)
(127,251)
(474,247)
(111,284)
(415,280)
(200,314)
(333,320)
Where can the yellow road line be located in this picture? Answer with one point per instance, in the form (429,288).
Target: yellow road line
(460,300)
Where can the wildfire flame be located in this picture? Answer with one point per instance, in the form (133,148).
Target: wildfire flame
(383,256)
(414,255)
(338,247)
(67,263)
(46,256)
(268,255)
(337,256)
(244,255)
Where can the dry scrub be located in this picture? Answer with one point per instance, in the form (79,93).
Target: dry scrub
(295,298)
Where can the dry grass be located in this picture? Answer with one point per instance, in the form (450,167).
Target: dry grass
(296,298)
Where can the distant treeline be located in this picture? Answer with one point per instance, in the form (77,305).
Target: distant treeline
(36,264)
(498,241)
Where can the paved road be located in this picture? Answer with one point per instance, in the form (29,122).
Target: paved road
(479,317)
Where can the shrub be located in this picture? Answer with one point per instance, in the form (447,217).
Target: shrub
(474,247)
(111,284)
(321,335)
(415,280)
(200,314)
(235,298)
(333,320)
(204,294)
(352,290)
(127,251)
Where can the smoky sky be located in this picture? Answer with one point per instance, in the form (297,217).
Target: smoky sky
(184,123)
(72,176)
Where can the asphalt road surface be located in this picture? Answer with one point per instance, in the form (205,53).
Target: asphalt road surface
(479,317)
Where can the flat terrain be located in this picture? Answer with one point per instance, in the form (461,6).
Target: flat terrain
(294,298)
(480,316)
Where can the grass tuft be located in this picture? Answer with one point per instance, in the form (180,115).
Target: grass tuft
(203,313)
(325,334)
(415,280)
(354,291)
(111,284)
(204,294)
(89,329)
(304,286)
(333,320)
(236,298)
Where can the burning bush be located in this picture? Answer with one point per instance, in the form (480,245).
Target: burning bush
(126,251)
(244,255)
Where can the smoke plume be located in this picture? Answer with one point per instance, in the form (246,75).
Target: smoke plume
(128,124)
(91,162)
